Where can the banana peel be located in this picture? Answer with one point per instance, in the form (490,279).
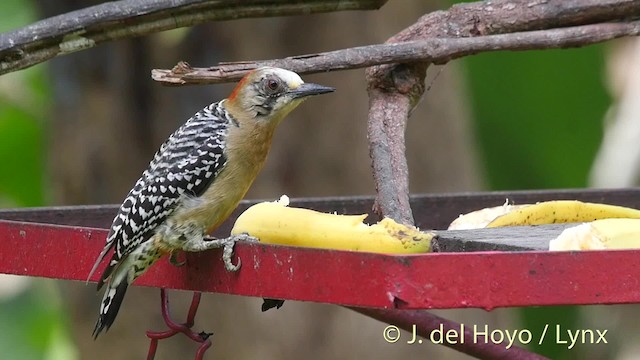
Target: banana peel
(276,223)
(547,212)
(599,235)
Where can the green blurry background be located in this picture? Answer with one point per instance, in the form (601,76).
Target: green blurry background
(537,119)
(32,323)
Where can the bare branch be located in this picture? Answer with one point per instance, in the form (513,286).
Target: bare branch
(433,50)
(86,28)
(508,16)
(389,106)
(466,22)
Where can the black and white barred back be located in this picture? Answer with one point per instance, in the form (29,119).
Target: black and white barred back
(184,166)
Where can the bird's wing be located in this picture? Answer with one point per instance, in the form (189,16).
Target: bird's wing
(185,165)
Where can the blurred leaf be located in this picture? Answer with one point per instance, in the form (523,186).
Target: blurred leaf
(17,13)
(22,104)
(21,156)
(33,327)
(33,324)
(538,115)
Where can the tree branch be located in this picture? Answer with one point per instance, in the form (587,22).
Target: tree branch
(445,45)
(86,28)
(433,50)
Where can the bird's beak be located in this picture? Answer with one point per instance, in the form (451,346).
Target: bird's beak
(308,89)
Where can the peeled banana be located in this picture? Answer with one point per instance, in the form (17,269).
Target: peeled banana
(276,223)
(599,235)
(479,219)
(548,212)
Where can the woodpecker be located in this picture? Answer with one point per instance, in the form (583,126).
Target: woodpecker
(195,180)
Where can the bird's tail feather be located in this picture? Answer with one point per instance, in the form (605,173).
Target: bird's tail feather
(103,253)
(118,275)
(110,305)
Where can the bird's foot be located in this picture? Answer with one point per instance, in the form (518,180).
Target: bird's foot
(227,251)
(227,244)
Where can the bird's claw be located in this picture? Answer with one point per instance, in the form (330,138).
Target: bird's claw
(227,251)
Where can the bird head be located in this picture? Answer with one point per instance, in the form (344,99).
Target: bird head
(269,93)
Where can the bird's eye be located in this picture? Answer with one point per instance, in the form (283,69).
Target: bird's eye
(272,86)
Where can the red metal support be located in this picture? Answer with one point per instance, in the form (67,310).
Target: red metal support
(185,328)
(431,281)
(390,288)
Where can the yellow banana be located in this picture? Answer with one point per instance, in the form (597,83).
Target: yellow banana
(276,223)
(562,211)
(599,235)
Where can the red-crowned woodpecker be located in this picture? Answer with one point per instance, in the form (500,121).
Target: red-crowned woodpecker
(196,180)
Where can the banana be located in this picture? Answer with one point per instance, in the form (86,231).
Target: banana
(562,211)
(599,235)
(548,212)
(276,223)
(481,218)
